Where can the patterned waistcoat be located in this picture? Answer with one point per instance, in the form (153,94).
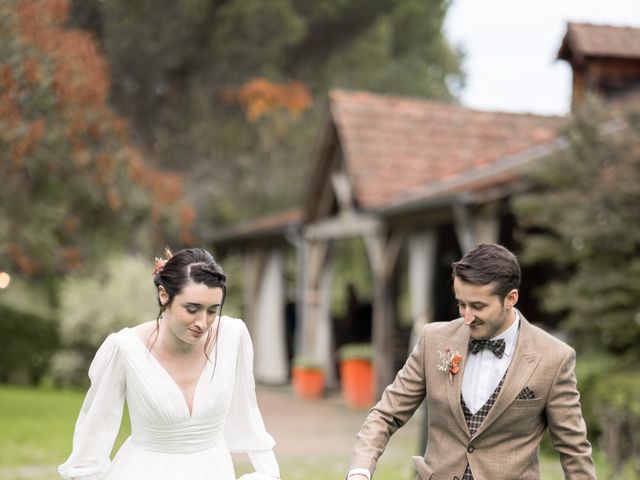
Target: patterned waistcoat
(474,421)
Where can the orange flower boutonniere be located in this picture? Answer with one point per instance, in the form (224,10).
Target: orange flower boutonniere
(449,362)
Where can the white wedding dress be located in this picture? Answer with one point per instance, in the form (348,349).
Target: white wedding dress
(167,442)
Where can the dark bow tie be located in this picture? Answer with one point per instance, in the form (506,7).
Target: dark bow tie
(496,346)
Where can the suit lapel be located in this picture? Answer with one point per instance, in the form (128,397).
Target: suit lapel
(459,343)
(525,360)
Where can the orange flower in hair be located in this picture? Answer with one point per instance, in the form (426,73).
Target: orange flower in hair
(161,262)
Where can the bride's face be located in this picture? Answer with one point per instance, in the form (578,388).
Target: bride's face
(192,312)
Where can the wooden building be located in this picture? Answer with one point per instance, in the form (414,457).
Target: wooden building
(420,182)
(604,59)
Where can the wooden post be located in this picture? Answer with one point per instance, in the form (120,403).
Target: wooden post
(476,225)
(253,266)
(316,338)
(383,254)
(422,257)
(271,365)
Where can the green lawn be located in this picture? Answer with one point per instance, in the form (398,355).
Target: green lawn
(36,428)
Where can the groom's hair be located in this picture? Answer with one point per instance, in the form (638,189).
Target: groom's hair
(489,263)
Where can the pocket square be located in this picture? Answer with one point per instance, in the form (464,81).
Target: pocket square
(526,394)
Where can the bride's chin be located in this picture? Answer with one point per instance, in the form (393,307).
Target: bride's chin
(194,336)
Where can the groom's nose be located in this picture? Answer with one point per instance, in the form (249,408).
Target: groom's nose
(468,316)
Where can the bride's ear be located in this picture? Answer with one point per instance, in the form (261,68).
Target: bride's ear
(163,296)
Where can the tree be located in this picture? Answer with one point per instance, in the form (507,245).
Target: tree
(582,220)
(73,185)
(172,62)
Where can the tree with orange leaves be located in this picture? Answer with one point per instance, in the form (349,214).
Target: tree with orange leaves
(223,90)
(71,183)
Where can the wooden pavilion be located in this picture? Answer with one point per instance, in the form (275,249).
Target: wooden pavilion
(411,177)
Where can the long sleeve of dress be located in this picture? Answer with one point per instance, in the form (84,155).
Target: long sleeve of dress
(100,416)
(244,428)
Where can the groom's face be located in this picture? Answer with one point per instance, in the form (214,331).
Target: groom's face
(486,314)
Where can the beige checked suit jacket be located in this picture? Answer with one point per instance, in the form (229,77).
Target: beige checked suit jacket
(505,447)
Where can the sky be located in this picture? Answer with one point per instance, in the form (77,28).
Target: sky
(510,49)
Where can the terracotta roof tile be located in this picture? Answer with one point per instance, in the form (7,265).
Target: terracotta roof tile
(395,145)
(589,40)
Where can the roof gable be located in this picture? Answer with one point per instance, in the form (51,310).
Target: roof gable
(588,40)
(395,145)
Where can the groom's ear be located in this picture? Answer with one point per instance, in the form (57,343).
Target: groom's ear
(511,299)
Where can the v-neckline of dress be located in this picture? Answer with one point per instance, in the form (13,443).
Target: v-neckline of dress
(162,368)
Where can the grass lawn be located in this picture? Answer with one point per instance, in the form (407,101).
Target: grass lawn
(36,428)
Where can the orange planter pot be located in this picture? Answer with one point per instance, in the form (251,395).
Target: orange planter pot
(308,382)
(357,382)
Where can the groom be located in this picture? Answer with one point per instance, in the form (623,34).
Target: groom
(493,384)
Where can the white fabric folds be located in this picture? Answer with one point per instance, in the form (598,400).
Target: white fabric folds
(167,442)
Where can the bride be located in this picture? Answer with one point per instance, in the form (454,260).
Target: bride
(188,381)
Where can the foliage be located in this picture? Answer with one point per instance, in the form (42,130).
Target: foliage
(355,351)
(174,64)
(27,343)
(352,279)
(616,399)
(73,185)
(121,295)
(306,363)
(590,368)
(582,220)
(259,97)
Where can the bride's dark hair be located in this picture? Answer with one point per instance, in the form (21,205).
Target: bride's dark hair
(190,264)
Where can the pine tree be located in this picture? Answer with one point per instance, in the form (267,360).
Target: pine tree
(583,219)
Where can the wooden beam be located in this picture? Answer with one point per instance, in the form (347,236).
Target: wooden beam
(345,225)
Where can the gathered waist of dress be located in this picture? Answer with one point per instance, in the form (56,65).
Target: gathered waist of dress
(189,437)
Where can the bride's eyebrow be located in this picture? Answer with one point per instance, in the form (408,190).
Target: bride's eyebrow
(199,305)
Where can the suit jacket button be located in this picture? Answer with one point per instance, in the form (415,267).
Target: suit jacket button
(470,449)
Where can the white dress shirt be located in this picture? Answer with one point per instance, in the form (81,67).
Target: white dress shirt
(483,370)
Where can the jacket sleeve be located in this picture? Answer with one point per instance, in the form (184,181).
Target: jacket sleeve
(398,403)
(566,425)
(100,416)
(244,428)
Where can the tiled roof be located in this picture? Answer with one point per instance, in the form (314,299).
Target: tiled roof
(395,146)
(274,224)
(589,40)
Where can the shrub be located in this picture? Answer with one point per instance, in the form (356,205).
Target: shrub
(307,363)
(27,343)
(122,294)
(616,401)
(589,369)
(355,351)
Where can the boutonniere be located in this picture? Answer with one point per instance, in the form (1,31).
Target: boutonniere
(449,363)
